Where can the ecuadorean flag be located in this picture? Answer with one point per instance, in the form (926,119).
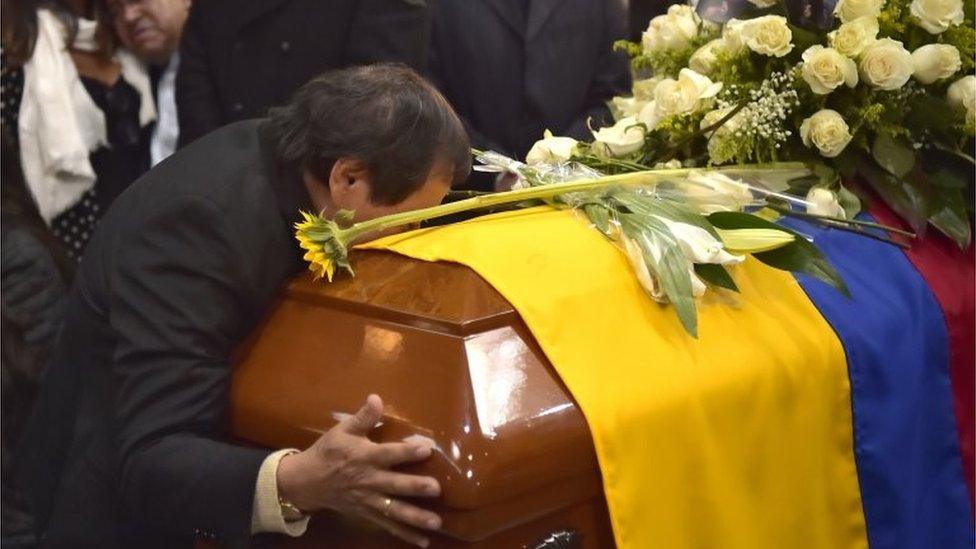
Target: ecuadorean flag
(800,418)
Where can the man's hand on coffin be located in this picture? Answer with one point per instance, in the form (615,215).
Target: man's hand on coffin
(346,472)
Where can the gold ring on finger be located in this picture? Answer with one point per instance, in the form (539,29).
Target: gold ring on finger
(387,503)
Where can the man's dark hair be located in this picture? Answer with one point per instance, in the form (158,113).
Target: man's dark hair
(385,115)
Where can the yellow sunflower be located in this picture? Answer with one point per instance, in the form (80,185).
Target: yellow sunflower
(319,262)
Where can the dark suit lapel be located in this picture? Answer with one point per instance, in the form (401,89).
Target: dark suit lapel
(507,12)
(539,12)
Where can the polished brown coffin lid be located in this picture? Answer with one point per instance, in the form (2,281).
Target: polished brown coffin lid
(452,360)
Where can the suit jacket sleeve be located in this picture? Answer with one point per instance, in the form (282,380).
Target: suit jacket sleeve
(612,75)
(197,102)
(390,30)
(177,308)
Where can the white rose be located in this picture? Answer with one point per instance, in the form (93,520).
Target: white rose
(849,10)
(823,201)
(936,16)
(644,89)
(852,37)
(827,131)
(680,96)
(886,64)
(767,35)
(732,35)
(825,69)
(672,31)
(705,58)
(648,115)
(621,139)
(712,192)
(961,96)
(934,62)
(622,107)
(551,149)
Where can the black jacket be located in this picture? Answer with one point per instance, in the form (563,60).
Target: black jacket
(239,57)
(128,443)
(513,68)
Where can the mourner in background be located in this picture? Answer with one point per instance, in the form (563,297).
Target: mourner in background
(513,68)
(240,58)
(82,116)
(151,29)
(181,269)
(75,114)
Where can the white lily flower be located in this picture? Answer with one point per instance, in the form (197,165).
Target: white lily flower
(551,149)
(649,282)
(698,245)
(623,138)
(716,192)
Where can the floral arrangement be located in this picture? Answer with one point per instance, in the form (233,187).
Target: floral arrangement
(680,228)
(738,110)
(876,91)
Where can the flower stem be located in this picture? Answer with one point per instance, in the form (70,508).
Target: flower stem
(787,211)
(540,192)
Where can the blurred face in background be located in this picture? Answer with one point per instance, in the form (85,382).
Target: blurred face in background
(150,29)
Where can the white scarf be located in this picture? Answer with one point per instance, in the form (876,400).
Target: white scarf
(59,124)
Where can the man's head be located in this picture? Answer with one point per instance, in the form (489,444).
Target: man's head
(150,29)
(377,140)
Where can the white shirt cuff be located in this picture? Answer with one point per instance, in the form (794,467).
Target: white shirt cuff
(266,516)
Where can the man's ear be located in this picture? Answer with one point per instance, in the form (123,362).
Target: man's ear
(349,184)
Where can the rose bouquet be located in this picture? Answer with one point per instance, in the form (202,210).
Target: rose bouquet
(875,91)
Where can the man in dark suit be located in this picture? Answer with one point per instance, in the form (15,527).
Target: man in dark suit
(127,446)
(237,58)
(513,68)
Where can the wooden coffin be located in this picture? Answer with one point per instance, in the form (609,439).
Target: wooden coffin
(453,362)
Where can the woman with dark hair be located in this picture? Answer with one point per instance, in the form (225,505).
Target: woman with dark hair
(78,109)
(71,119)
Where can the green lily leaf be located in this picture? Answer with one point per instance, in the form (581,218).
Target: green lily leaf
(893,156)
(673,270)
(798,256)
(932,112)
(849,201)
(716,275)
(599,215)
(951,218)
(649,205)
(905,199)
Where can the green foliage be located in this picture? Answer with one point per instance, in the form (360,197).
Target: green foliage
(894,18)
(632,49)
(963,37)
(893,155)
(949,206)
(738,68)
(716,275)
